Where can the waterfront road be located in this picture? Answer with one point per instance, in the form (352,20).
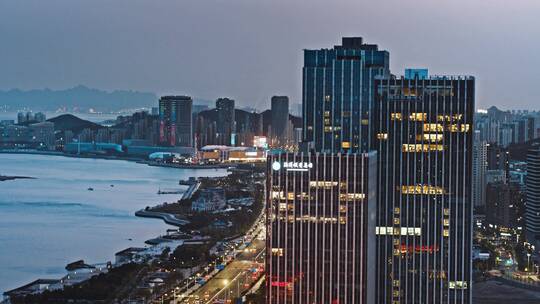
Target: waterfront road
(237,277)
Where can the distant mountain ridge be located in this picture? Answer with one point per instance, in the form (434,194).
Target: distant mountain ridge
(71,122)
(80,97)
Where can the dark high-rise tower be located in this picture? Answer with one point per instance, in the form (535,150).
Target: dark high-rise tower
(321,228)
(424,217)
(280,119)
(225,121)
(175,121)
(338,95)
(533,196)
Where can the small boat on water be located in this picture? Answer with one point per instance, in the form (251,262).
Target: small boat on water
(90,189)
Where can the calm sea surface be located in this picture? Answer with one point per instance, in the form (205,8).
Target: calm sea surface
(54,219)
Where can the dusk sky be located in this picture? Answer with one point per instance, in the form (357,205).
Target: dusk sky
(252,49)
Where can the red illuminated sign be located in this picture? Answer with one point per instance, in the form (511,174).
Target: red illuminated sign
(419,248)
(280,284)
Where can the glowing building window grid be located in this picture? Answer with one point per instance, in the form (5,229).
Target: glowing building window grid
(396,116)
(418,116)
(457,285)
(433,127)
(290,195)
(422,189)
(411,231)
(382,136)
(446,211)
(277,251)
(455,128)
(438,129)
(278,195)
(351,196)
(323,184)
(422,147)
(430,137)
(453,117)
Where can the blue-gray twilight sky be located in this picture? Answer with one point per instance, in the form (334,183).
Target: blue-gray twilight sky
(252,49)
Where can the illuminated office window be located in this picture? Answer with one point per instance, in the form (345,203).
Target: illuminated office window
(422,147)
(422,189)
(382,136)
(418,116)
(430,137)
(433,127)
(395,116)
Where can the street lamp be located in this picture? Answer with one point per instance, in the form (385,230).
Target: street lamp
(528,260)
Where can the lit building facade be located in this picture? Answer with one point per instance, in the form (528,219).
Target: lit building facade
(175,121)
(321,228)
(424,141)
(338,96)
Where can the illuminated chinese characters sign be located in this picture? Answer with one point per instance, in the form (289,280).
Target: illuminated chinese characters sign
(292,166)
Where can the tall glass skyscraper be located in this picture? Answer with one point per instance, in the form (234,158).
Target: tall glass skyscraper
(421,128)
(175,121)
(280,120)
(321,228)
(533,196)
(424,219)
(338,95)
(225,122)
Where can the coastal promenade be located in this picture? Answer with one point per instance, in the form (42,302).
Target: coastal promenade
(166,217)
(139,160)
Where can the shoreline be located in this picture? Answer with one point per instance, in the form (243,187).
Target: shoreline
(110,157)
(167,218)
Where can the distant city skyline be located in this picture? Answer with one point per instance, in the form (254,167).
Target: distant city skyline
(179,47)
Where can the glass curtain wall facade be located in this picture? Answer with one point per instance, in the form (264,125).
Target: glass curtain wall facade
(532,210)
(338,95)
(321,228)
(225,126)
(175,121)
(280,120)
(424,218)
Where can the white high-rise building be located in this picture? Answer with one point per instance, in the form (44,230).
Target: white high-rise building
(479,163)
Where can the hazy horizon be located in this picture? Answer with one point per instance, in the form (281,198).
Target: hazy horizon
(250,51)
